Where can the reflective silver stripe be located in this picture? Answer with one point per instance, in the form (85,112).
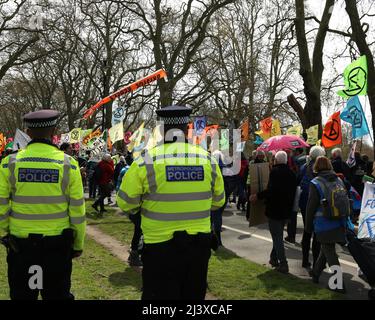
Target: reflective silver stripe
(66,175)
(219,197)
(39,199)
(12,169)
(176,216)
(4,201)
(36,159)
(3,217)
(77,220)
(181,155)
(169,197)
(213,177)
(31,216)
(151,179)
(123,195)
(76,202)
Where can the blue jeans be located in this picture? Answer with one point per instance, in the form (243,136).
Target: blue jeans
(277,232)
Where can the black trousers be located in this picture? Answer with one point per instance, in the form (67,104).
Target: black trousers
(104,192)
(292,225)
(306,244)
(176,269)
(54,257)
(137,234)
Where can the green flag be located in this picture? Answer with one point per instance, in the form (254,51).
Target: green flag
(355,79)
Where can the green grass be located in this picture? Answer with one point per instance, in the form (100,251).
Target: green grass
(97,274)
(229,276)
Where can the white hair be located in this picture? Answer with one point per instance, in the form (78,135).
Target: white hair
(337,152)
(316,151)
(122,159)
(107,157)
(281,157)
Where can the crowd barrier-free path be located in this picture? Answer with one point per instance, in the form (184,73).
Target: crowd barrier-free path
(255,244)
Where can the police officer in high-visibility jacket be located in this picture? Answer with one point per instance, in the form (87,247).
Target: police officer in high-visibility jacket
(175,186)
(42,213)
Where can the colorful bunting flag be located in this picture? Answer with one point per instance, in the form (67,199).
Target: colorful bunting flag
(355,79)
(258,140)
(332,135)
(353,113)
(312,135)
(263,135)
(21,139)
(137,141)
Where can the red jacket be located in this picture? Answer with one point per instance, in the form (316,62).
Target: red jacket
(106,172)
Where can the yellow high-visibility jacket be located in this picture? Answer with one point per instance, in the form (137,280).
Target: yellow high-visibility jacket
(41,192)
(175,186)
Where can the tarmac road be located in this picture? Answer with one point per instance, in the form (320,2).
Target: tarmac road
(255,244)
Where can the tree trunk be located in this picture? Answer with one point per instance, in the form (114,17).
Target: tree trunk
(359,36)
(312,72)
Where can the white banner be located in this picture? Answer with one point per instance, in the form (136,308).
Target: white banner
(21,139)
(366,228)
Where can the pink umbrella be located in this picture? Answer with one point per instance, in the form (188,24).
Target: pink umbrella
(283,142)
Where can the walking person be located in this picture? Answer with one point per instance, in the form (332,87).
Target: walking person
(104,176)
(328,209)
(279,199)
(135,251)
(42,212)
(174,185)
(306,175)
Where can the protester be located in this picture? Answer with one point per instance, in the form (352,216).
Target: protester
(90,169)
(67,148)
(304,179)
(279,199)
(244,171)
(357,173)
(369,164)
(104,176)
(329,231)
(339,166)
(259,157)
(292,223)
(119,166)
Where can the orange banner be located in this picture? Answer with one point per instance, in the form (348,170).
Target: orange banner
(332,131)
(131,87)
(245,130)
(266,125)
(2,142)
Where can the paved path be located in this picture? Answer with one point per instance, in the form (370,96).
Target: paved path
(255,244)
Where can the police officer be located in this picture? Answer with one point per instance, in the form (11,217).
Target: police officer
(42,213)
(175,186)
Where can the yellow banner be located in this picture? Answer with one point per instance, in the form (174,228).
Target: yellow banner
(276,130)
(263,135)
(312,135)
(295,130)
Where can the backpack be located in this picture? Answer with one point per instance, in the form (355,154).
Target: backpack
(333,198)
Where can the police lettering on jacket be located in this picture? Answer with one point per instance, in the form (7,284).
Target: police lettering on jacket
(184,173)
(38,175)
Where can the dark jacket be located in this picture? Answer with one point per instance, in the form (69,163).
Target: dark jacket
(313,203)
(118,169)
(280,193)
(340,166)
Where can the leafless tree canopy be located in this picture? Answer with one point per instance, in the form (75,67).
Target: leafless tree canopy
(228,59)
